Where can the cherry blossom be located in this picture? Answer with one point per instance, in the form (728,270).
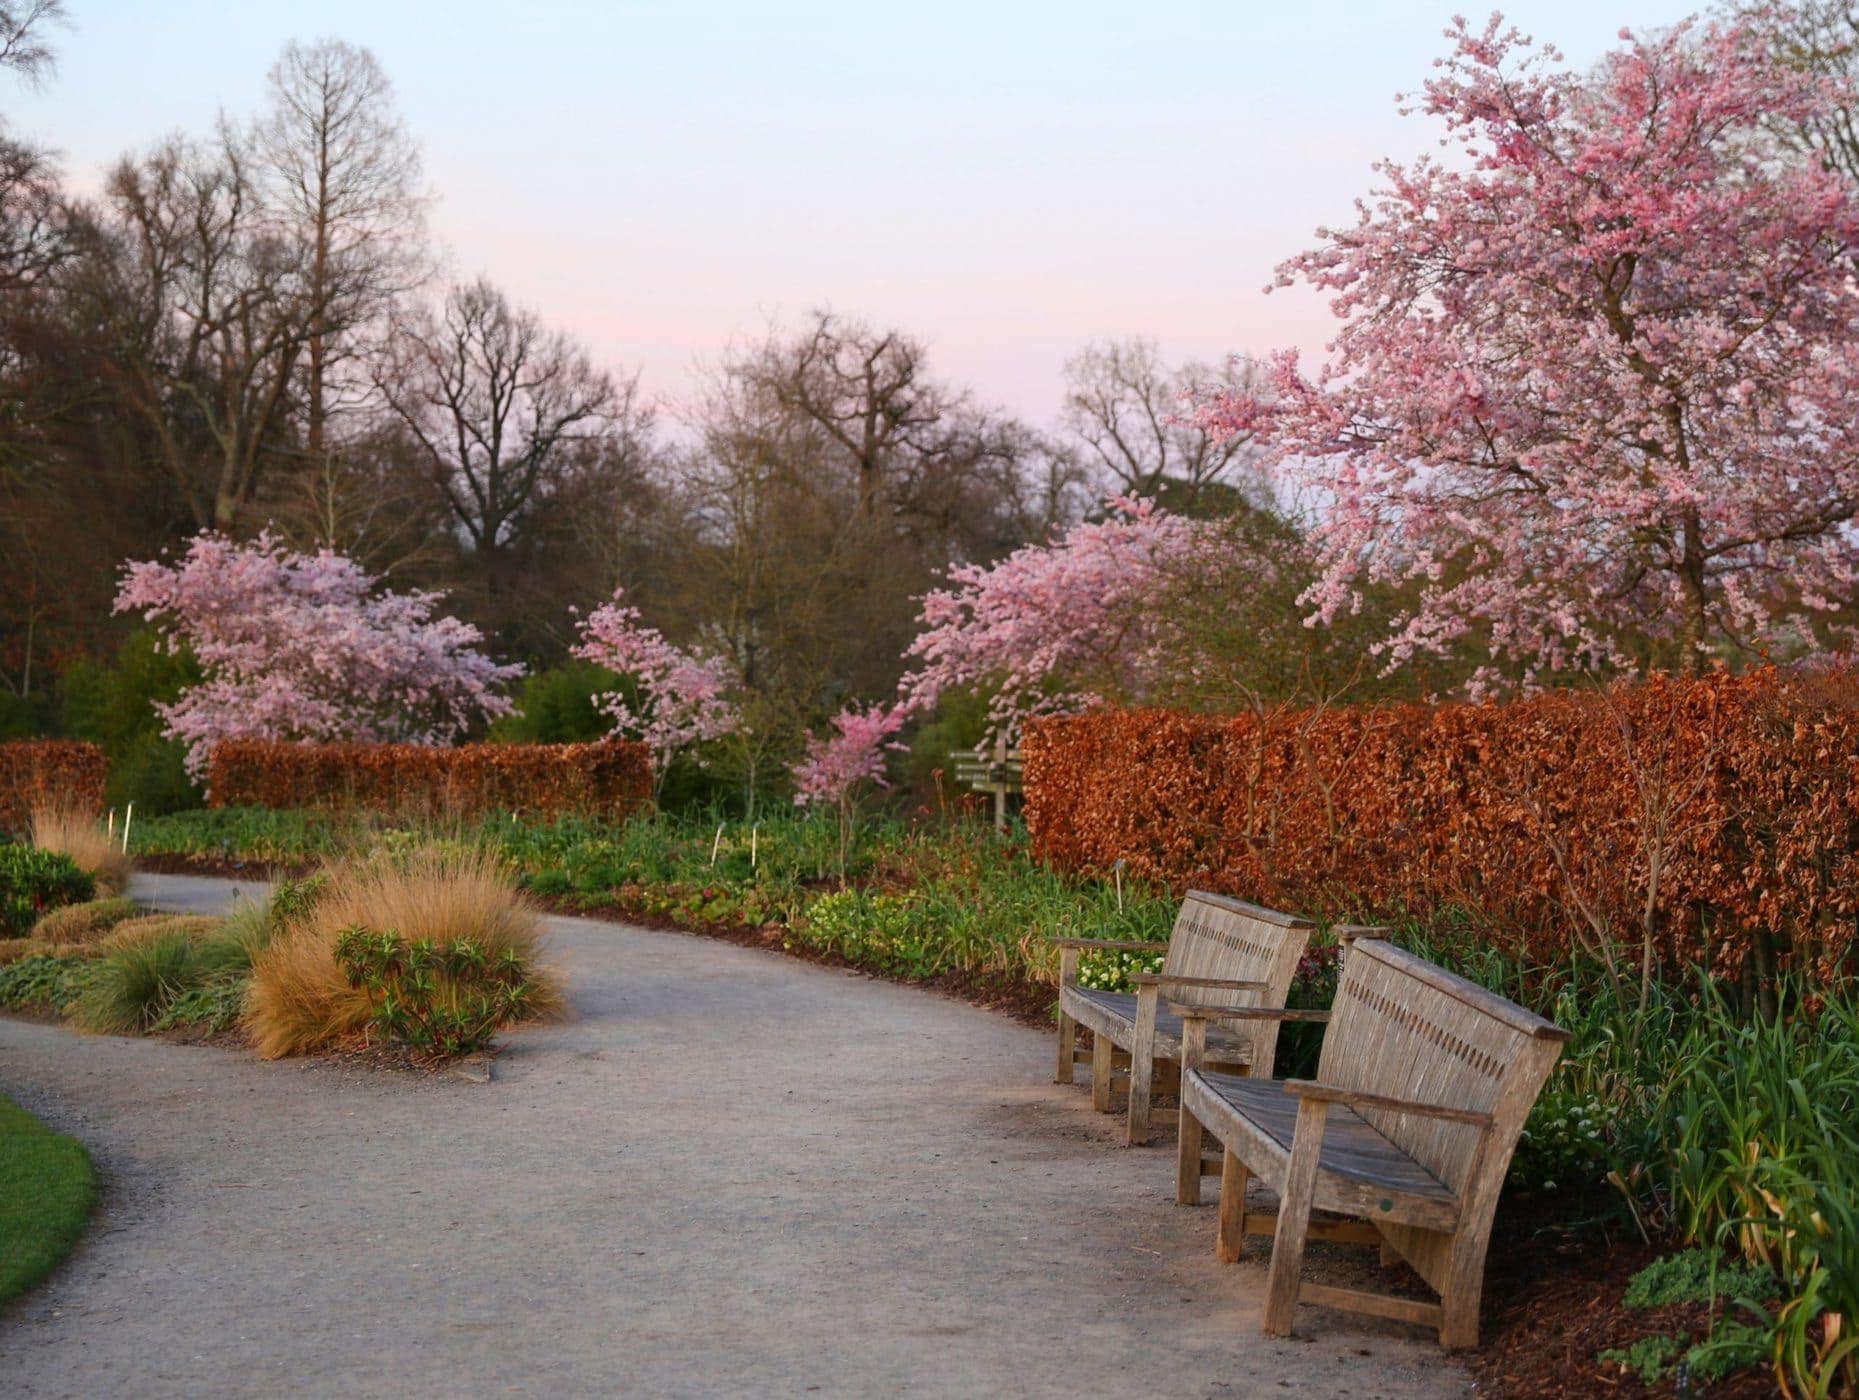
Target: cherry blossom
(307,647)
(837,765)
(1592,395)
(1055,627)
(683,699)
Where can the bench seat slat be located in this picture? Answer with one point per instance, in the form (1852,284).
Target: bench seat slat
(1360,1172)
(1113,1015)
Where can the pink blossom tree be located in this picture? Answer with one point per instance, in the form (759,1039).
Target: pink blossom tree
(308,647)
(838,767)
(683,699)
(1056,627)
(1593,393)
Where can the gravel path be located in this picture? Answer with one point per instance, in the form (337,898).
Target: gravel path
(733,1174)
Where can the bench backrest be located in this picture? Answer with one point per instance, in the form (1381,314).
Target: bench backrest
(1219,937)
(1410,1030)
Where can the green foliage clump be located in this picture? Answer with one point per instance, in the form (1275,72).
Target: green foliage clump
(34,881)
(1647,1359)
(884,931)
(442,1000)
(557,706)
(45,982)
(47,1189)
(1698,1275)
(1111,970)
(113,706)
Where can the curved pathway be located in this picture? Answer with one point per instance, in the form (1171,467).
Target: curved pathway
(734,1173)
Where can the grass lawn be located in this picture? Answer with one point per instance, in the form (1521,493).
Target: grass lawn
(47,1187)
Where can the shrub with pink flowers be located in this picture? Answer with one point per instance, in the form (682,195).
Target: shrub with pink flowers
(309,647)
(683,698)
(837,767)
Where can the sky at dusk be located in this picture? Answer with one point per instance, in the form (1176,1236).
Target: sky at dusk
(1004,180)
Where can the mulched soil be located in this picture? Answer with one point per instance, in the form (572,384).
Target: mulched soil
(1553,1304)
(1552,1294)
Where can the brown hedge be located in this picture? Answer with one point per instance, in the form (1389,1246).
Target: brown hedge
(1715,819)
(34,772)
(609,779)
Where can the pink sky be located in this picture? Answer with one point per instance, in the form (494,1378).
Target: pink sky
(1006,182)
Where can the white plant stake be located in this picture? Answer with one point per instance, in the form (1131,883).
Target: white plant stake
(1117,870)
(110,826)
(754,833)
(128,815)
(714,845)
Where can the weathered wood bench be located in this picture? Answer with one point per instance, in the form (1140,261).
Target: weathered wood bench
(1422,1089)
(1221,952)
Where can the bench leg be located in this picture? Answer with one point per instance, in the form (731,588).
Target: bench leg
(1142,1067)
(1294,1207)
(1188,1160)
(1232,1234)
(1101,1064)
(1068,1046)
(1458,1300)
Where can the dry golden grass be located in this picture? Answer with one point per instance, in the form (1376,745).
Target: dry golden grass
(146,929)
(13,949)
(77,833)
(84,923)
(299,997)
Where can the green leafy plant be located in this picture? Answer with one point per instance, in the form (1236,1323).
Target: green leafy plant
(442,1000)
(45,982)
(1647,1359)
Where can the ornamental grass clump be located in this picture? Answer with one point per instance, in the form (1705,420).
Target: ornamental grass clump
(301,995)
(71,830)
(76,925)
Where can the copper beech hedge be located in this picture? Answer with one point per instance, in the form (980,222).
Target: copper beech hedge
(1707,820)
(608,779)
(41,772)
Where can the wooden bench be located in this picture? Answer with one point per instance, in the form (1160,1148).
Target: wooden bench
(1222,952)
(1423,1086)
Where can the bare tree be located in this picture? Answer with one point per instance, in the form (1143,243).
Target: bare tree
(204,300)
(1126,410)
(498,406)
(25,50)
(343,176)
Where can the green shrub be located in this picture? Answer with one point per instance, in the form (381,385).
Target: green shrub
(113,706)
(34,881)
(442,1000)
(556,706)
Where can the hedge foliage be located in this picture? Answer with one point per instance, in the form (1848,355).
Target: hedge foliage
(1712,820)
(607,779)
(47,772)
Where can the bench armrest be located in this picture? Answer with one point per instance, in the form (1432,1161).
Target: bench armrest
(1108,945)
(1348,933)
(1247,1013)
(1225,984)
(1330,1093)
